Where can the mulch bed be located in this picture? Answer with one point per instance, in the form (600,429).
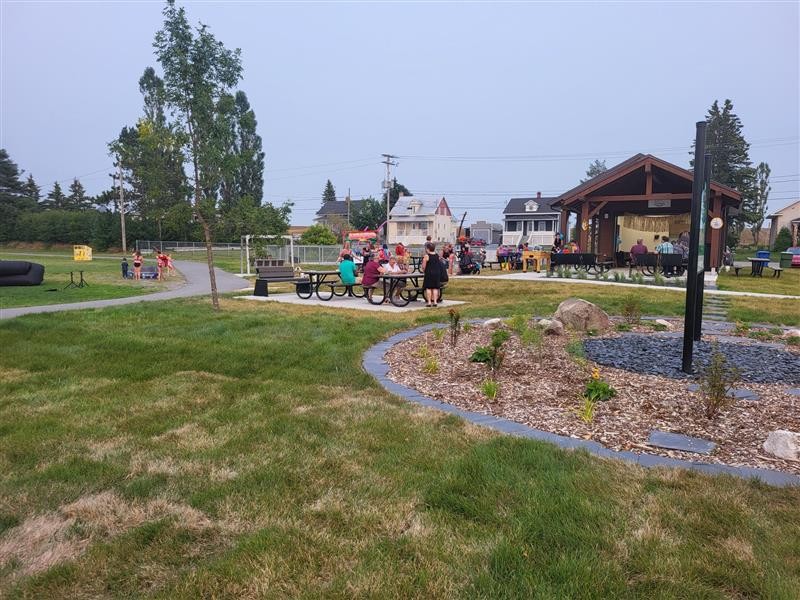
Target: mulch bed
(541,387)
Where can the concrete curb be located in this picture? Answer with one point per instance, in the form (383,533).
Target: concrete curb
(374,364)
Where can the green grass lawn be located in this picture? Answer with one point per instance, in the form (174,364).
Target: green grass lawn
(246,454)
(102,274)
(787,283)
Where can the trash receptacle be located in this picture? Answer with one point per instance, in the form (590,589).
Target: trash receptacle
(786,259)
(762,254)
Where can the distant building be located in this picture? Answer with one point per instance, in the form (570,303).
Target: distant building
(296,231)
(531,220)
(789,217)
(490,233)
(333,214)
(413,219)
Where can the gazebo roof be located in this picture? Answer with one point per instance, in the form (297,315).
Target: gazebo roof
(618,178)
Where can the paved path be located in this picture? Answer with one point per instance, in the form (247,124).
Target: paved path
(197,284)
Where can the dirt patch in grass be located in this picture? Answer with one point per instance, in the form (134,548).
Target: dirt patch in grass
(11,375)
(43,541)
(541,386)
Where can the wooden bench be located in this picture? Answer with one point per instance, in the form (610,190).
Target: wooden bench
(579,260)
(276,274)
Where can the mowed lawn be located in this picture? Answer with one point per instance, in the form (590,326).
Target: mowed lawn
(246,454)
(103,275)
(788,283)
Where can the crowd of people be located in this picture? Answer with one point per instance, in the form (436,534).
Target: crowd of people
(665,246)
(511,256)
(164,266)
(372,261)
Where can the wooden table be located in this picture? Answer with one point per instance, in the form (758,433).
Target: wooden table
(538,257)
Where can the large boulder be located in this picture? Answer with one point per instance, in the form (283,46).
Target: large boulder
(581,315)
(783,444)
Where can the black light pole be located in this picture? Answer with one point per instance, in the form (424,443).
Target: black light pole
(702,266)
(694,277)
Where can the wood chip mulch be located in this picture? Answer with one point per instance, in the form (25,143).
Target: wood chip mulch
(541,387)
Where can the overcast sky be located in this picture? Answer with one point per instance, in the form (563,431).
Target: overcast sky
(481,101)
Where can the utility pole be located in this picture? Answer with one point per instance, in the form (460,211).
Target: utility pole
(387,186)
(122,208)
(348,209)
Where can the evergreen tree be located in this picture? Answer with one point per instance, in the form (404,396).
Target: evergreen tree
(31,190)
(198,72)
(783,240)
(56,200)
(13,199)
(395,191)
(329,194)
(756,206)
(368,214)
(595,168)
(250,171)
(77,198)
(730,159)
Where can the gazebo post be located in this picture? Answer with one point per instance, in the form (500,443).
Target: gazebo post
(583,231)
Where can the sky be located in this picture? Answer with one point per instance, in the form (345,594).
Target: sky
(480,101)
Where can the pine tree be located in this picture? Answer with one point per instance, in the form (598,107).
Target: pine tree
(56,200)
(77,198)
(13,200)
(329,194)
(730,159)
(31,190)
(595,168)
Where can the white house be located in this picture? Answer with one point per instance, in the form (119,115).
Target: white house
(413,219)
(530,220)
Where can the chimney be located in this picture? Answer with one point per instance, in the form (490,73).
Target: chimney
(538,194)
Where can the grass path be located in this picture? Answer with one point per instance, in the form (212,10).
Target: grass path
(245,454)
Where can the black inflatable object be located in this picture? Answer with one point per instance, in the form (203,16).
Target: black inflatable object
(20,272)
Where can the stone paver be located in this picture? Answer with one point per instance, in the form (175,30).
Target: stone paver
(197,284)
(677,441)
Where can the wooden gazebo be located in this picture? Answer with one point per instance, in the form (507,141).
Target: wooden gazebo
(642,194)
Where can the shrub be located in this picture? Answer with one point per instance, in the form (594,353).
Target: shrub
(455,325)
(598,390)
(431,365)
(783,240)
(632,309)
(492,354)
(490,388)
(716,378)
(481,354)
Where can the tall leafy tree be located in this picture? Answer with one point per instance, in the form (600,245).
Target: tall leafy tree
(56,200)
(756,206)
(595,168)
(329,193)
(250,167)
(198,72)
(368,214)
(730,158)
(77,198)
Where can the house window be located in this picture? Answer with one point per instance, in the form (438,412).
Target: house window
(531,206)
(544,225)
(512,225)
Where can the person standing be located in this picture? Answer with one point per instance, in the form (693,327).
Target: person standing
(432,279)
(138,260)
(558,243)
(124,266)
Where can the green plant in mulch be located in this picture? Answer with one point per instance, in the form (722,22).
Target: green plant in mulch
(658,279)
(582,275)
(742,328)
(467,327)
(658,326)
(716,378)
(438,334)
(598,390)
(490,388)
(455,325)
(575,348)
(492,354)
(586,410)
(431,365)
(632,309)
(423,351)
(793,340)
(618,277)
(624,327)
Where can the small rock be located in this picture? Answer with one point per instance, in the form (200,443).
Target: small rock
(582,315)
(664,323)
(493,323)
(554,327)
(544,323)
(792,333)
(783,444)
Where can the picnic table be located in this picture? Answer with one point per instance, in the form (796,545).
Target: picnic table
(538,258)
(757,266)
(397,293)
(415,262)
(315,280)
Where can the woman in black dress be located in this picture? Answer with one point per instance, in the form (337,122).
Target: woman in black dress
(432,280)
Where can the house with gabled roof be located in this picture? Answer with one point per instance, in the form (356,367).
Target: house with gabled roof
(530,220)
(789,217)
(335,213)
(412,219)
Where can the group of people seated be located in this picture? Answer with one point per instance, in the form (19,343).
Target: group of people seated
(665,246)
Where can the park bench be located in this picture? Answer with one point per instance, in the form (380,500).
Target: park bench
(276,274)
(149,272)
(776,271)
(653,262)
(580,260)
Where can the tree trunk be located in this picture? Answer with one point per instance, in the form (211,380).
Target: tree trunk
(206,228)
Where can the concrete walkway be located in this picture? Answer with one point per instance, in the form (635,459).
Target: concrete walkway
(197,284)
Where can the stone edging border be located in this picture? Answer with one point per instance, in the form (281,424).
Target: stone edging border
(374,364)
